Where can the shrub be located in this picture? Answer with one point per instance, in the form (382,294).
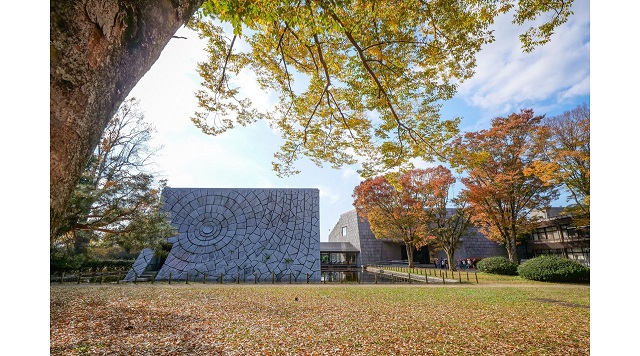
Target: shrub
(554,269)
(498,265)
(82,263)
(65,264)
(109,265)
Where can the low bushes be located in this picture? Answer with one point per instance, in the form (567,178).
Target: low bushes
(83,264)
(554,269)
(543,268)
(498,265)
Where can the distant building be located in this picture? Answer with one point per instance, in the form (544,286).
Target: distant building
(556,235)
(269,234)
(339,261)
(356,231)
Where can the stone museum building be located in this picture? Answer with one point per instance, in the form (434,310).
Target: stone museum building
(246,234)
(355,230)
(269,235)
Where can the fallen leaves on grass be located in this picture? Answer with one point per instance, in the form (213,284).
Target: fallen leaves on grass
(324,320)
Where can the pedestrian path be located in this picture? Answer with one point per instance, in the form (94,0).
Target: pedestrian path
(406,277)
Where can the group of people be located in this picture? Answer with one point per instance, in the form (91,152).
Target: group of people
(467,263)
(441,263)
(462,263)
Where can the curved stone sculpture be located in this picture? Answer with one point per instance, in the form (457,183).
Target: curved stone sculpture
(243,233)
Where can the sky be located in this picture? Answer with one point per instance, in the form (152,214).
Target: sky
(552,79)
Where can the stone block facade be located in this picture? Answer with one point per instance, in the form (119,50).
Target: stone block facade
(141,263)
(373,251)
(351,228)
(242,233)
(474,244)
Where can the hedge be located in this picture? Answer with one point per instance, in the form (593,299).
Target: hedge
(88,265)
(498,265)
(554,269)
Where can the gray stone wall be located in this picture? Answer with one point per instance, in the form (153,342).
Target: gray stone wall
(350,221)
(242,233)
(477,245)
(391,251)
(359,234)
(140,264)
(372,251)
(474,244)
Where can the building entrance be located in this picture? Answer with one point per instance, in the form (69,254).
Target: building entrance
(420,256)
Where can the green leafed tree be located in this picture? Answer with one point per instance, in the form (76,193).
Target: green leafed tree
(355,78)
(117,200)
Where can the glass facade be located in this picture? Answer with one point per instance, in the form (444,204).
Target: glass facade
(339,267)
(560,233)
(338,258)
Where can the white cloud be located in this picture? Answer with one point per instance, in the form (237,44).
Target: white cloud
(579,89)
(168,88)
(328,194)
(350,173)
(507,79)
(261,100)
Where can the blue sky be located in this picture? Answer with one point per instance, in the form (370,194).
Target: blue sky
(551,80)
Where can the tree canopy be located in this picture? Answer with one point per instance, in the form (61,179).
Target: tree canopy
(355,79)
(448,215)
(501,195)
(373,72)
(565,141)
(405,207)
(391,212)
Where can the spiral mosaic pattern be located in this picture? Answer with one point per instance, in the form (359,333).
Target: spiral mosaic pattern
(242,233)
(209,225)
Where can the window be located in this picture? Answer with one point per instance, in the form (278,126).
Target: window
(338,258)
(344,231)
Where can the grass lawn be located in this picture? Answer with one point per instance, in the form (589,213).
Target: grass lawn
(509,317)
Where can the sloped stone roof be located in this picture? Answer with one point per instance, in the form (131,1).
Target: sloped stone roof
(337,247)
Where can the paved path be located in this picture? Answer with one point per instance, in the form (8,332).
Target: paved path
(417,278)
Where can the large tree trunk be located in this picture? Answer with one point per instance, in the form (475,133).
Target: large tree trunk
(99,49)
